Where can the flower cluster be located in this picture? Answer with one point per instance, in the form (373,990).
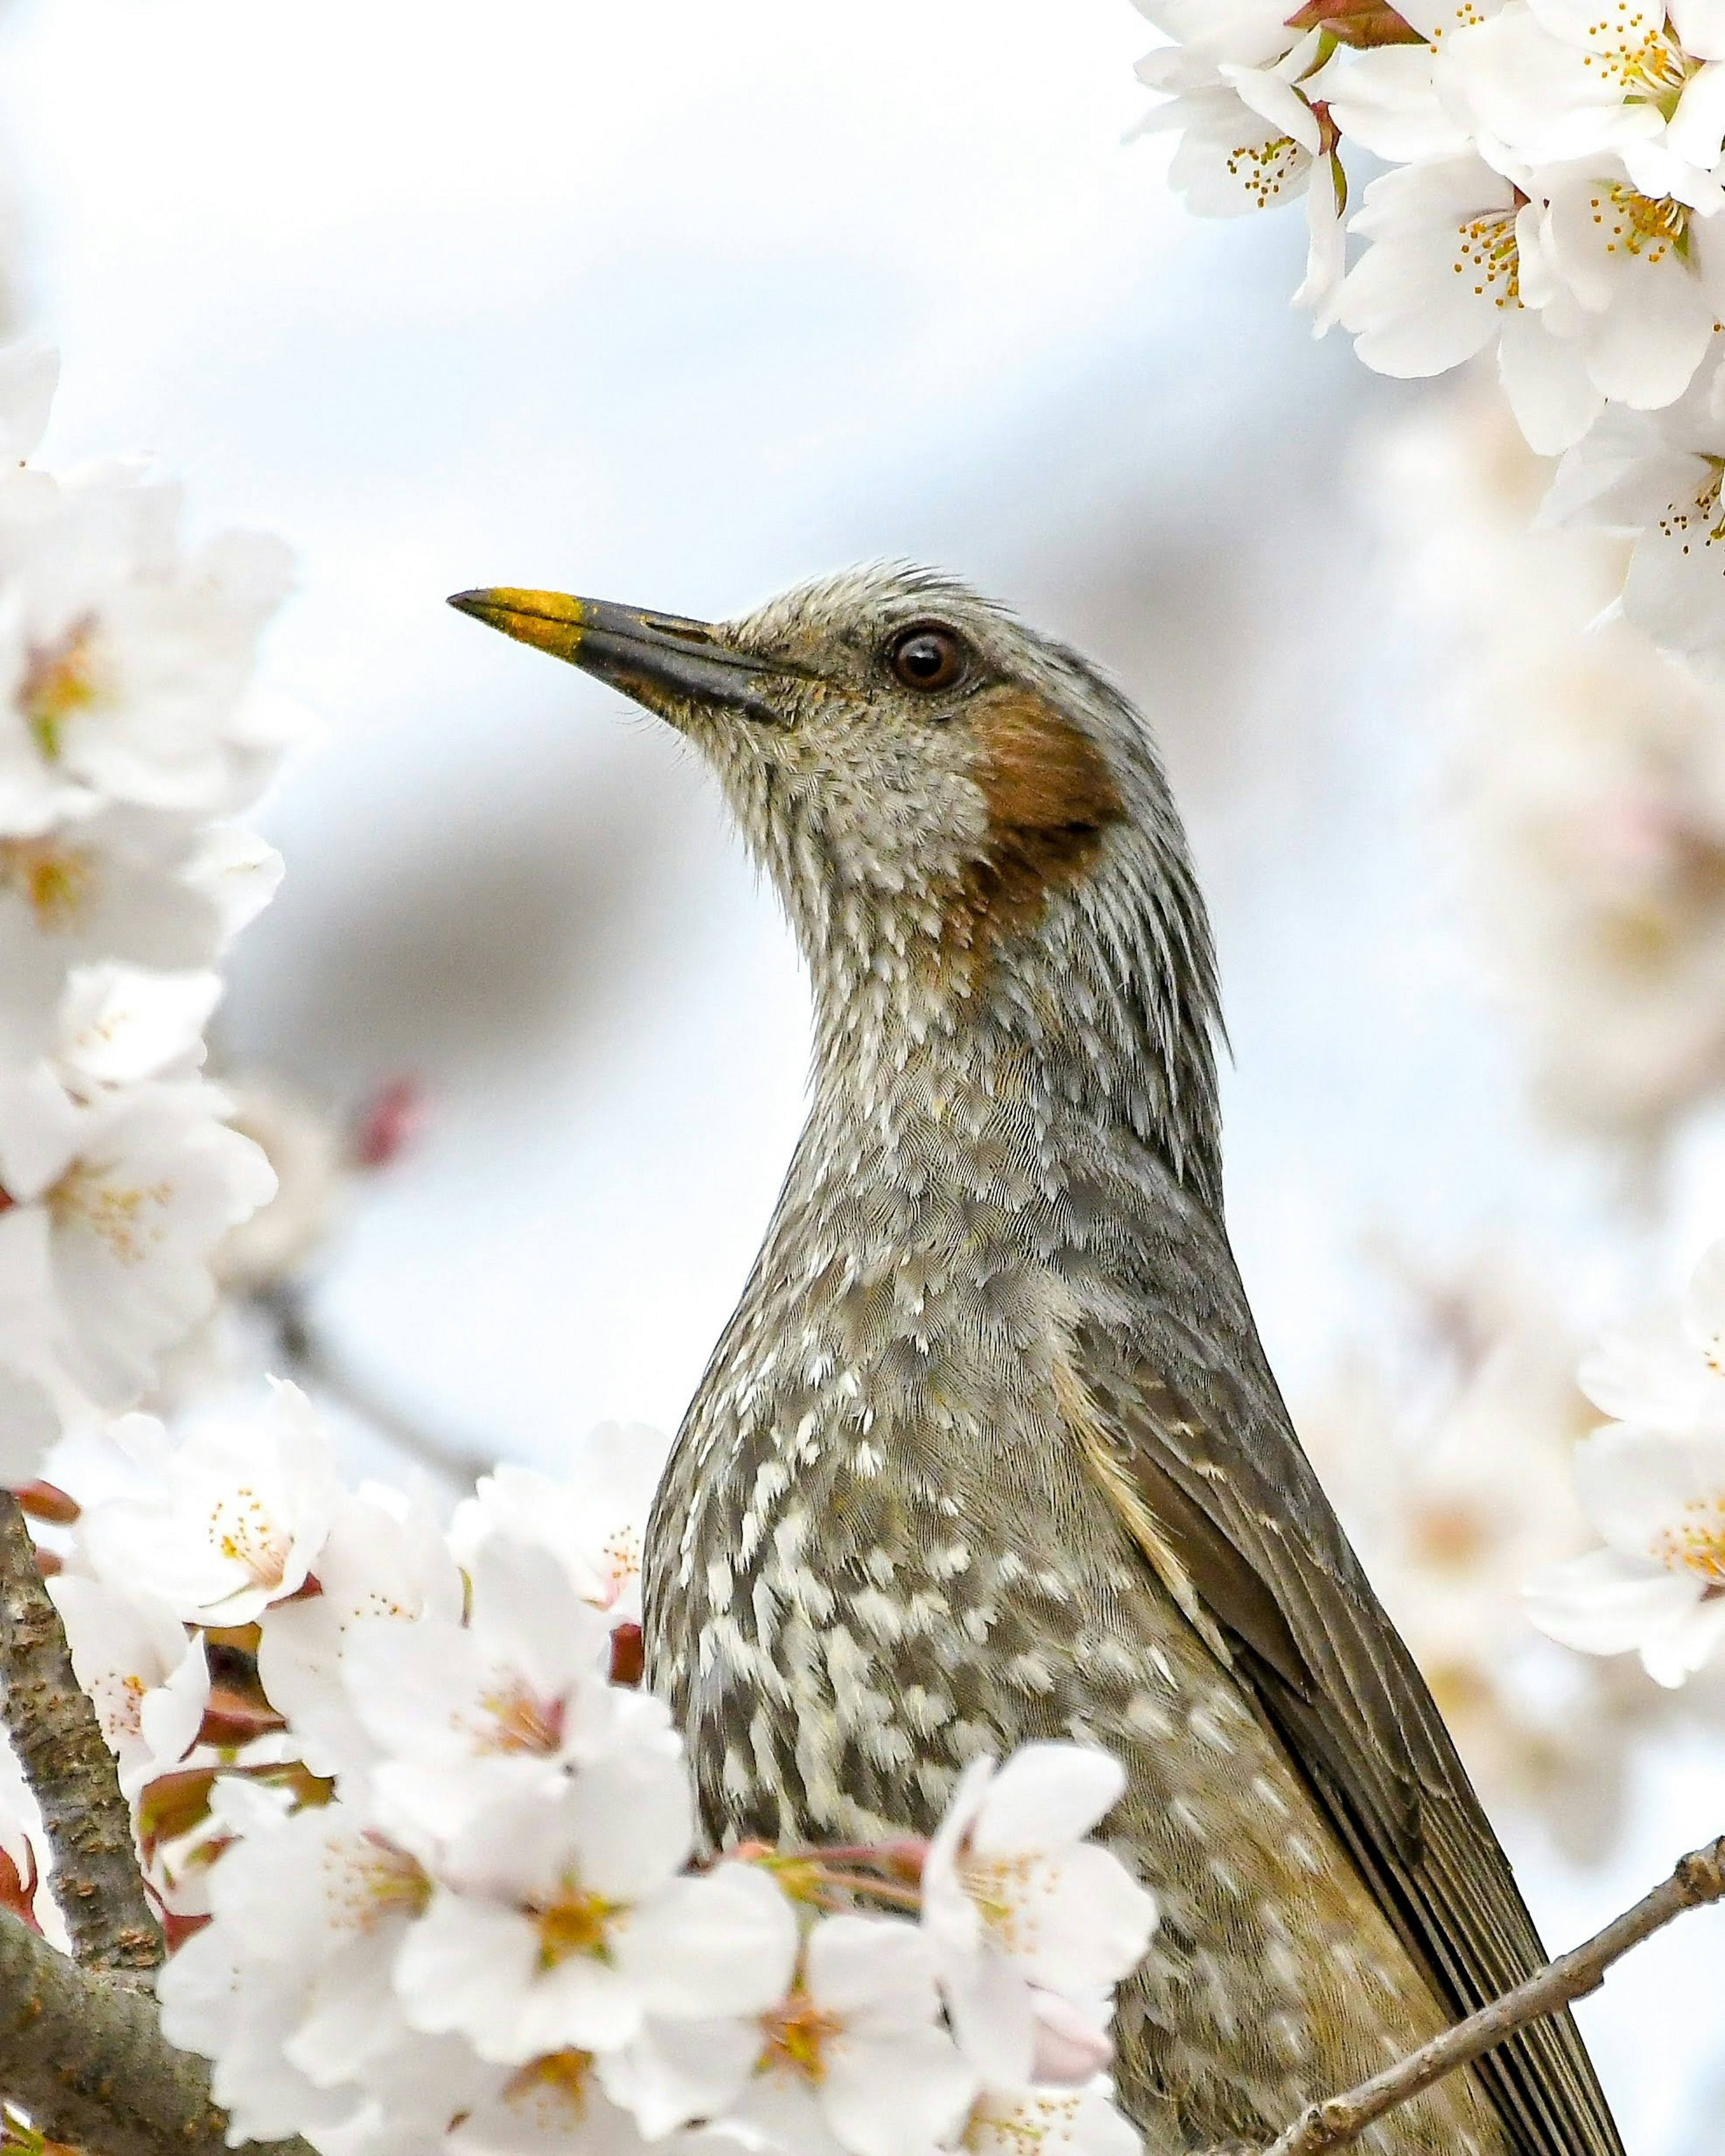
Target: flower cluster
(1652,1482)
(1584,783)
(1449,1447)
(127,731)
(430,1858)
(1557,172)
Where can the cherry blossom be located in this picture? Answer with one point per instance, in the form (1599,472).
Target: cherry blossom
(565,1921)
(1658,475)
(1657,1496)
(127,1197)
(1444,278)
(510,1700)
(1048,2121)
(150,1683)
(238,1516)
(594,1522)
(381,1563)
(1014,1896)
(1652,1483)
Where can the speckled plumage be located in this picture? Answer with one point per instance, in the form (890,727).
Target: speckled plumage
(989,1450)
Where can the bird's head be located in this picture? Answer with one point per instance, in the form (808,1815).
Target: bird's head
(955,812)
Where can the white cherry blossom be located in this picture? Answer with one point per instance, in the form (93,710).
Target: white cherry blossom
(1444,278)
(1249,138)
(1561,80)
(1644,277)
(1657,1496)
(563,1921)
(508,1701)
(593,1521)
(129,1196)
(120,885)
(1219,33)
(854,2055)
(124,666)
(1657,476)
(381,1563)
(1667,1372)
(236,1521)
(1014,1896)
(148,1680)
(1030,2121)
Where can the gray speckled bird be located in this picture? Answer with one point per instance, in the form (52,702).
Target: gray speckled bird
(990,1450)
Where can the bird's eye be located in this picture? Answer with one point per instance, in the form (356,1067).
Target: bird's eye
(928,658)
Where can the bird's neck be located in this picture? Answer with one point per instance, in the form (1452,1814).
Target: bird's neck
(1095,1024)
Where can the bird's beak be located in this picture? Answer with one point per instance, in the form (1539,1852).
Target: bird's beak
(659,659)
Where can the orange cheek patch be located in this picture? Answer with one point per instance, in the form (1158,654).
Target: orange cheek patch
(1050,798)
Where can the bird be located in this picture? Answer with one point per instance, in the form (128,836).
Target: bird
(990,1452)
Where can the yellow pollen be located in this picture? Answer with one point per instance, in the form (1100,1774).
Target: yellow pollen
(59,681)
(1487,254)
(1004,1888)
(53,879)
(797,2033)
(1265,168)
(577,1922)
(1697,522)
(245,1532)
(1698,1544)
(1642,225)
(119,1215)
(553,2090)
(517,1721)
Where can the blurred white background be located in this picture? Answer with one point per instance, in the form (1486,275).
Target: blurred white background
(675,304)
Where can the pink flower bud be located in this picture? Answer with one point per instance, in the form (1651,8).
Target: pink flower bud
(1069,2046)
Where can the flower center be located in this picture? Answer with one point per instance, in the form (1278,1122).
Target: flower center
(577,1922)
(1642,225)
(247,1533)
(59,681)
(1485,251)
(553,2090)
(377,1881)
(1653,69)
(797,2033)
(1697,1544)
(1698,519)
(1004,1889)
(518,1721)
(118,1215)
(1263,169)
(53,879)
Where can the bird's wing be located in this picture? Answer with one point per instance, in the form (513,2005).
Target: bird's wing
(1188,1433)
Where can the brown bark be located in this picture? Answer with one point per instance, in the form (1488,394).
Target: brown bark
(66,1760)
(86,2059)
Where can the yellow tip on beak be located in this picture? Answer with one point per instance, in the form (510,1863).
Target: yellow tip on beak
(667,663)
(550,620)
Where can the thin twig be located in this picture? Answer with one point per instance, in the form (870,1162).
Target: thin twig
(87,2059)
(67,1762)
(305,1353)
(1339,2120)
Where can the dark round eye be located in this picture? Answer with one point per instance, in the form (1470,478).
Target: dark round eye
(929,658)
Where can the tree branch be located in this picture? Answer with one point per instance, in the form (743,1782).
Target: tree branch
(66,1760)
(87,2059)
(1340,2120)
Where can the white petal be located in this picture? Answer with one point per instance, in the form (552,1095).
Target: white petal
(1604,1604)
(724,1943)
(896,2096)
(874,1970)
(1047,1795)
